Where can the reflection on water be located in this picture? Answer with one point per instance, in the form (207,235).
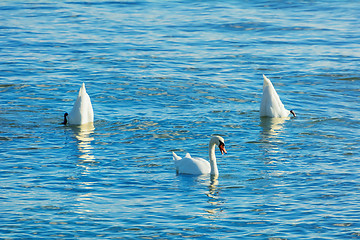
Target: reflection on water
(213,189)
(212,205)
(214,198)
(271,127)
(83,135)
(269,136)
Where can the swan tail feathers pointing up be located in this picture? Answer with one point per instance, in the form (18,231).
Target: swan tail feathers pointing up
(176,157)
(82,111)
(271,105)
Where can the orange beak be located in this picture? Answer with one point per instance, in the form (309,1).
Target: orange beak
(222,148)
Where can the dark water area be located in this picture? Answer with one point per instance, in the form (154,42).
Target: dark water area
(165,76)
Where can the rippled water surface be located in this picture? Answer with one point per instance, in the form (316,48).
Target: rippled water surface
(164,76)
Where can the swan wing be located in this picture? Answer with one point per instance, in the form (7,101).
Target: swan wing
(195,166)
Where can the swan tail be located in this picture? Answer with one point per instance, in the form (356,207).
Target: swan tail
(176,157)
(267,81)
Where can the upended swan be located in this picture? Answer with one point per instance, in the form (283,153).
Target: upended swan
(198,166)
(271,105)
(82,111)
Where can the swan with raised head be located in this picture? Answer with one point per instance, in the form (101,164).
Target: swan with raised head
(198,166)
(271,105)
(82,111)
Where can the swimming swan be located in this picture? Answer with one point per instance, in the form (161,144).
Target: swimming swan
(271,105)
(198,166)
(82,111)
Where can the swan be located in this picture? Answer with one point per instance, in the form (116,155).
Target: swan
(198,166)
(271,105)
(82,111)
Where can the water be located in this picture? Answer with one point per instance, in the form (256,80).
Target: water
(164,76)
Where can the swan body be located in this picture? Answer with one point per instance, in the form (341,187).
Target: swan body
(271,105)
(82,111)
(199,166)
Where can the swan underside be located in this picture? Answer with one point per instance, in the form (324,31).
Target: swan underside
(271,105)
(82,111)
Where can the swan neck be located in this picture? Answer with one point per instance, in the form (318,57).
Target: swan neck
(213,165)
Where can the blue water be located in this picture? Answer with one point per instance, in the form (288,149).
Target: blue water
(164,76)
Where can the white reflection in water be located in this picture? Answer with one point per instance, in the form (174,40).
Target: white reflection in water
(271,127)
(215,202)
(270,134)
(213,184)
(83,134)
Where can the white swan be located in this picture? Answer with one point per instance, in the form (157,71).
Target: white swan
(82,111)
(198,166)
(271,105)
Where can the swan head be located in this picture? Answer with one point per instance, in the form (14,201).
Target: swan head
(219,141)
(293,113)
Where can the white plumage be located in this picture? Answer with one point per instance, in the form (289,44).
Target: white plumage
(271,105)
(190,165)
(82,111)
(198,166)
